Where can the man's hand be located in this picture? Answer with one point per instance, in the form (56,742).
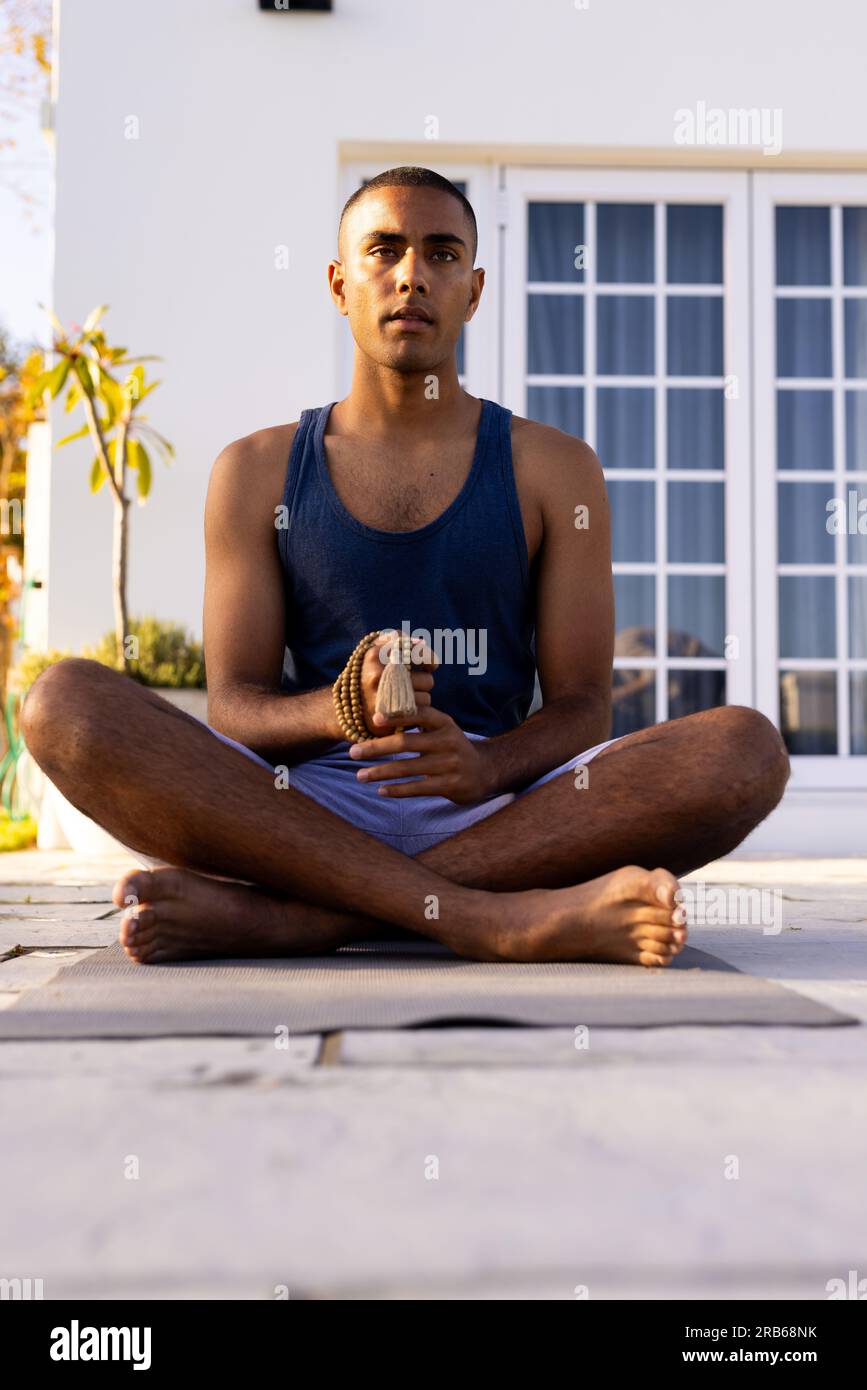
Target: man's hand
(424,662)
(448,763)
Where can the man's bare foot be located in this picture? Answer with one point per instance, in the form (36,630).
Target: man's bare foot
(630,916)
(176,914)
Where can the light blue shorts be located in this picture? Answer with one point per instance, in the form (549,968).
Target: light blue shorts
(410,824)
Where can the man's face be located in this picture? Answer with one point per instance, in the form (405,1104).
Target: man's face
(403,248)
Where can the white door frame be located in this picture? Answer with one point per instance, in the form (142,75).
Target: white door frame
(840,771)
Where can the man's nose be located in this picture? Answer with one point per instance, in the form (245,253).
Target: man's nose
(411,273)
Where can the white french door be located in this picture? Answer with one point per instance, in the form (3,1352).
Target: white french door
(810,236)
(626,322)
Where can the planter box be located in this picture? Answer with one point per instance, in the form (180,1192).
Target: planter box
(63,826)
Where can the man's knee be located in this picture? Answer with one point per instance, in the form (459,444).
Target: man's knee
(757,746)
(60,702)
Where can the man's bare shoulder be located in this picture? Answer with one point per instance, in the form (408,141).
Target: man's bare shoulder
(247,476)
(550,462)
(533,440)
(259,451)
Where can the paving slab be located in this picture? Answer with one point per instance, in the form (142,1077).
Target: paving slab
(157,1061)
(725,1048)
(54,892)
(57,933)
(34,968)
(63,866)
(785,868)
(55,912)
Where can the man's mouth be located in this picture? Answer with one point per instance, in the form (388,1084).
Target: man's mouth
(412,318)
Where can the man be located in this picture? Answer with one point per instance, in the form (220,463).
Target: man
(409,505)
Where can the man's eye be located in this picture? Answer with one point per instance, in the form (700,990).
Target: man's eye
(443,251)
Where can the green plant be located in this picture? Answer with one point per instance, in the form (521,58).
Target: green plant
(17,375)
(156,653)
(84,366)
(31,665)
(16,834)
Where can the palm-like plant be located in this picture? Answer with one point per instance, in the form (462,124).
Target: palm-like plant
(116,429)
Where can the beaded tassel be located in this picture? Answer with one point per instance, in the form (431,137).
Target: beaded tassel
(395,697)
(396,700)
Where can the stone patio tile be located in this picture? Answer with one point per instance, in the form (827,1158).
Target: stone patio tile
(54,892)
(34,968)
(55,912)
(117,1062)
(784,869)
(56,934)
(717,1048)
(62,866)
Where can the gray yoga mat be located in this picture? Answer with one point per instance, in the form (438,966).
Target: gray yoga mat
(392,985)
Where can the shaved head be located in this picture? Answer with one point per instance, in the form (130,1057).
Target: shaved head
(410,176)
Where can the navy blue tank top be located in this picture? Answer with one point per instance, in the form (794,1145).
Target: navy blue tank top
(461,582)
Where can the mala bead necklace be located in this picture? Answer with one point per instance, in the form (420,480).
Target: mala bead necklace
(395,697)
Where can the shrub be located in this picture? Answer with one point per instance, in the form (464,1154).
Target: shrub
(16,834)
(31,665)
(165,655)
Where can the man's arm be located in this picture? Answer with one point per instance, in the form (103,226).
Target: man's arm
(574,617)
(245,609)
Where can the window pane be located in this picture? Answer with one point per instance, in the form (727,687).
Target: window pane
(808,711)
(694,244)
(695,427)
(695,335)
(624,335)
(854,522)
(624,238)
(807,615)
(696,524)
(555,232)
(555,334)
(856,431)
(855,327)
(696,615)
(625,426)
(633,701)
(633,519)
(690,691)
(858,616)
(803,337)
(803,246)
(560,406)
(803,537)
(635,607)
(461,352)
(858,712)
(855,246)
(805,429)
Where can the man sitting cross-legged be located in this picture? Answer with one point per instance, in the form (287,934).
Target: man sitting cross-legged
(411,504)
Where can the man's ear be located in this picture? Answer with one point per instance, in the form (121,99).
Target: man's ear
(475,292)
(336,284)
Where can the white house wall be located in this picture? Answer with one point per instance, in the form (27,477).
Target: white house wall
(241,114)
